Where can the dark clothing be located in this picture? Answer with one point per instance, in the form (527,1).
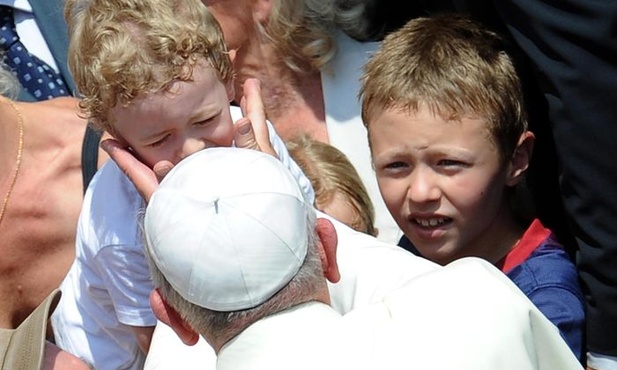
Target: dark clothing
(49,18)
(408,246)
(573,46)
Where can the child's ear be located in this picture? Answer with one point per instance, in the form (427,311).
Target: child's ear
(231,91)
(520,158)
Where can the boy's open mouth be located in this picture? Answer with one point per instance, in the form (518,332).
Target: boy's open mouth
(432,222)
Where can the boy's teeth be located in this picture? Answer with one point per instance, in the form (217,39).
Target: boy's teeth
(430,222)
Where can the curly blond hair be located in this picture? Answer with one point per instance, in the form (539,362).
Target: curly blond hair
(124,49)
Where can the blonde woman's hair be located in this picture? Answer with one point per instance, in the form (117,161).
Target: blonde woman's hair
(124,49)
(331,173)
(456,68)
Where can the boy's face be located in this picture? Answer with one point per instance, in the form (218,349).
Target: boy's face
(442,181)
(172,125)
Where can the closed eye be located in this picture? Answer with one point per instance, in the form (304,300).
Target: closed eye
(204,122)
(160,142)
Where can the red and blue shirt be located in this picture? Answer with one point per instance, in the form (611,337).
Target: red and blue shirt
(542,269)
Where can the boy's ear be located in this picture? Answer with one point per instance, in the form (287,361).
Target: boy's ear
(171,318)
(231,91)
(520,158)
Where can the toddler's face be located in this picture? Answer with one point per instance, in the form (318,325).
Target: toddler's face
(172,125)
(442,181)
(340,208)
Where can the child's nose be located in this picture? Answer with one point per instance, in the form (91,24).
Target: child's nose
(422,187)
(192,145)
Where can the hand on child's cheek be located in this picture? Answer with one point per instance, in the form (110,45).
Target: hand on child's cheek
(145,179)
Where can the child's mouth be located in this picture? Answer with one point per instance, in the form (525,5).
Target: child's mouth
(432,222)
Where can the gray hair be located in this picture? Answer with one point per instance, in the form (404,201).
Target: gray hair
(303,31)
(352,17)
(224,325)
(9,85)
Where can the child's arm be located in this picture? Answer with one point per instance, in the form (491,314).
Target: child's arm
(143,334)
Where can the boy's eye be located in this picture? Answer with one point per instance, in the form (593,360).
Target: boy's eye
(447,162)
(159,142)
(203,122)
(450,163)
(395,165)
(393,169)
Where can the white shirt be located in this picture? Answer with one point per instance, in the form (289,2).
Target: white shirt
(106,290)
(370,269)
(465,316)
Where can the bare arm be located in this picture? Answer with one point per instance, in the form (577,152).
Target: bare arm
(56,359)
(143,334)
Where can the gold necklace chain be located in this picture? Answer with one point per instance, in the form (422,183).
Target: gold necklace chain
(20,148)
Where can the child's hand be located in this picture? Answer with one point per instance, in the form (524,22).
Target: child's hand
(145,179)
(251,131)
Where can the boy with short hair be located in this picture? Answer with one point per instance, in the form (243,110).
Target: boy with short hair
(156,75)
(448,133)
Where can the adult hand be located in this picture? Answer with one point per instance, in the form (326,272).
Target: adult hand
(145,179)
(251,131)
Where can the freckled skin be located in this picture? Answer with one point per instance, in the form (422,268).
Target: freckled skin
(37,233)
